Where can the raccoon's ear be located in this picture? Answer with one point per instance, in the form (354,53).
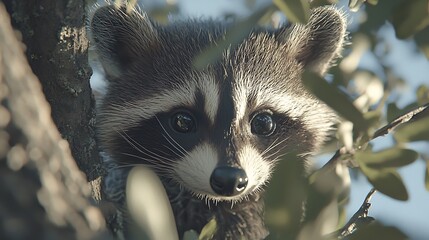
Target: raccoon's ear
(122,36)
(319,42)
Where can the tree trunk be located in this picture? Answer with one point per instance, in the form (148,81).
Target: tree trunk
(43,195)
(57,49)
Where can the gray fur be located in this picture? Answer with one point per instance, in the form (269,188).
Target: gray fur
(150,74)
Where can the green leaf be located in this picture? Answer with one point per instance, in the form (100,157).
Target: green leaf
(372,118)
(161,13)
(354,5)
(334,98)
(422,94)
(409,17)
(295,10)
(377,231)
(422,40)
(414,131)
(142,208)
(234,36)
(190,235)
(427,175)
(377,15)
(284,197)
(318,3)
(394,112)
(389,158)
(208,230)
(387,181)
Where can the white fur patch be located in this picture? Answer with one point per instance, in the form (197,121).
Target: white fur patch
(240,97)
(194,170)
(257,169)
(210,90)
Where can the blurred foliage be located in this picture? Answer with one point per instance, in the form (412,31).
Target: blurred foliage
(386,180)
(336,99)
(410,17)
(295,10)
(208,230)
(363,105)
(390,158)
(418,131)
(284,198)
(376,231)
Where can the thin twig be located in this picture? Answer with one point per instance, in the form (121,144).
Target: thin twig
(405,118)
(361,216)
(408,117)
(351,225)
(357,220)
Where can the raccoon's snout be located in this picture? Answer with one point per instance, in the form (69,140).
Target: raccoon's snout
(228,181)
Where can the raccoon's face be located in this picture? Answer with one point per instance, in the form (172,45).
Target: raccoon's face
(219,131)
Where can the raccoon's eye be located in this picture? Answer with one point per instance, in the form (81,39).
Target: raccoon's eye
(183,122)
(263,124)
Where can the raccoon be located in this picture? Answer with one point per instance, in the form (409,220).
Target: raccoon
(212,135)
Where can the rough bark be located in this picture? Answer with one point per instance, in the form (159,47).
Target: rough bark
(57,50)
(43,195)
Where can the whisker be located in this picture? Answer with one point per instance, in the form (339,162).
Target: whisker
(176,145)
(162,172)
(166,169)
(277,158)
(180,154)
(139,147)
(271,147)
(275,153)
(150,160)
(174,151)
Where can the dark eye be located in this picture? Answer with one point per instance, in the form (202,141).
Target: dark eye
(183,122)
(263,124)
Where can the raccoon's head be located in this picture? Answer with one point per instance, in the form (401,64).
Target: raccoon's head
(218,131)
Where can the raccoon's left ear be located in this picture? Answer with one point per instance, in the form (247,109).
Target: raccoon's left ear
(319,42)
(121,37)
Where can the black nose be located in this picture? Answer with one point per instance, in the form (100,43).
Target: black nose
(228,181)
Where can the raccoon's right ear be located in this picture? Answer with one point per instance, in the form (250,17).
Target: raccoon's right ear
(316,44)
(121,36)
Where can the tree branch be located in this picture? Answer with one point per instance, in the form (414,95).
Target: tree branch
(357,220)
(360,218)
(408,117)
